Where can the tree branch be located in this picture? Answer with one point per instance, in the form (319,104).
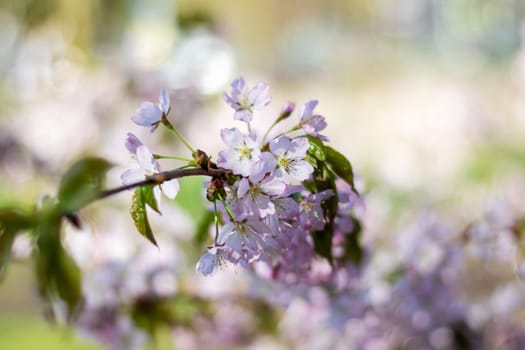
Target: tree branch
(157,179)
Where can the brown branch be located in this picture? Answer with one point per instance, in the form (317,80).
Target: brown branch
(157,179)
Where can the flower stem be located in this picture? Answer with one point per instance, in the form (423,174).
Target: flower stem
(158,156)
(216,220)
(170,127)
(226,207)
(268,131)
(295,128)
(229,211)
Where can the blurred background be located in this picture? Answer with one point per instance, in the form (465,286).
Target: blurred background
(425,97)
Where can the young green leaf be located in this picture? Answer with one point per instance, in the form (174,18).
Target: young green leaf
(340,165)
(140,216)
(81,183)
(317,148)
(149,197)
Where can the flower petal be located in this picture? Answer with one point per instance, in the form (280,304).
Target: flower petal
(231,137)
(208,264)
(147,114)
(170,188)
(132,175)
(132,143)
(244,115)
(146,161)
(280,145)
(164,101)
(307,110)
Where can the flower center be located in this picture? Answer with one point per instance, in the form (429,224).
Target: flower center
(245,152)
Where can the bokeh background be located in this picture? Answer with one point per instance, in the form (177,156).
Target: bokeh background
(425,97)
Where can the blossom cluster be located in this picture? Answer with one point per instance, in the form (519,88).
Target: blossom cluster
(272,205)
(277,204)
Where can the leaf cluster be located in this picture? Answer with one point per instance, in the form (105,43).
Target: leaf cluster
(329,165)
(57,275)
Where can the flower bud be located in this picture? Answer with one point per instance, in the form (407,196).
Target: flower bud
(201,159)
(287,110)
(215,190)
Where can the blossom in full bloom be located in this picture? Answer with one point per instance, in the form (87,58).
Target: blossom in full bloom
(243,151)
(150,114)
(213,259)
(290,156)
(245,100)
(311,215)
(148,166)
(257,198)
(312,123)
(247,237)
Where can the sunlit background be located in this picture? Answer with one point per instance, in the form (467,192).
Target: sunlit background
(425,97)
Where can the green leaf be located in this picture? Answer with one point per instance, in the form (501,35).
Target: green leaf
(57,273)
(140,216)
(81,183)
(15,219)
(329,163)
(149,197)
(317,148)
(6,242)
(12,220)
(323,243)
(340,165)
(352,245)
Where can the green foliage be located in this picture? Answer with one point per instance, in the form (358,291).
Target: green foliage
(352,248)
(82,183)
(12,221)
(317,148)
(56,272)
(149,197)
(340,165)
(139,214)
(328,165)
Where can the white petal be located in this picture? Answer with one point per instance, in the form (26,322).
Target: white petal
(157,195)
(170,188)
(164,101)
(225,232)
(145,159)
(244,115)
(273,186)
(301,169)
(231,137)
(280,146)
(147,114)
(307,109)
(207,264)
(244,186)
(299,147)
(132,175)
